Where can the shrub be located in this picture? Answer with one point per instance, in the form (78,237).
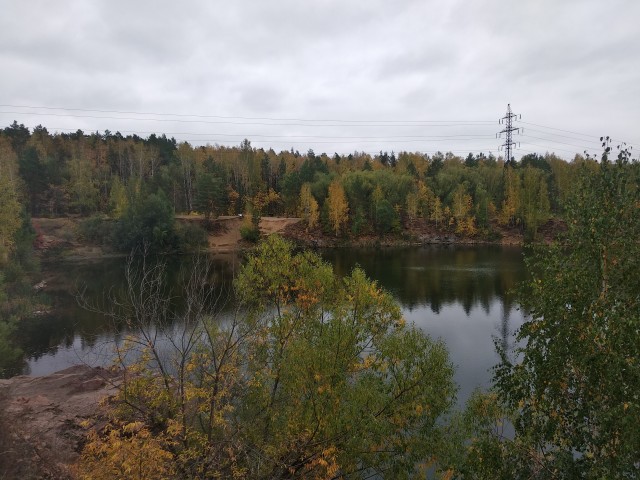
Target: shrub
(96,229)
(148,222)
(316,376)
(190,236)
(250,233)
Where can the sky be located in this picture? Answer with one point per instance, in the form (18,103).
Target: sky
(328,75)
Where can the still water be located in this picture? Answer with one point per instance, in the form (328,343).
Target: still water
(459,294)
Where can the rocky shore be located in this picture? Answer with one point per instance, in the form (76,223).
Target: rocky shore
(43,420)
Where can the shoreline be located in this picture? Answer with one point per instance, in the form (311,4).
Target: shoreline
(58,240)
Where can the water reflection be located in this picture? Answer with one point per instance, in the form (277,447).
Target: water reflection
(438,276)
(71,334)
(460,294)
(463,295)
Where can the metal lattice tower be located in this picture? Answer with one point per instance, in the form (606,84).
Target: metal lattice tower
(508,130)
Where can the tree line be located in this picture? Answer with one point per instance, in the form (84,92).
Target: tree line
(344,195)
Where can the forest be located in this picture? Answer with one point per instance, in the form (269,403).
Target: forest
(108,175)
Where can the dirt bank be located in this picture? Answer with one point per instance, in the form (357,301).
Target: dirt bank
(225,235)
(60,237)
(41,431)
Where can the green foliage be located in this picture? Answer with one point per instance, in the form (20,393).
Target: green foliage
(190,237)
(575,380)
(149,223)
(535,200)
(18,300)
(462,211)
(10,220)
(358,187)
(210,195)
(319,377)
(10,354)
(31,171)
(104,174)
(482,202)
(359,223)
(118,199)
(82,186)
(96,229)
(512,203)
(291,185)
(480,445)
(386,217)
(249,232)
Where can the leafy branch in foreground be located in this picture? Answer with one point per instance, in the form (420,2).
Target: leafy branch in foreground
(313,376)
(573,385)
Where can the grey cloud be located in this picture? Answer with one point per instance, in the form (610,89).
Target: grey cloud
(325,59)
(419,61)
(263,98)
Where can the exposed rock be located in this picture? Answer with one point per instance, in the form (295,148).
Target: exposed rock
(42,419)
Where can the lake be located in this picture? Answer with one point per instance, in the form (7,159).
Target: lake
(461,294)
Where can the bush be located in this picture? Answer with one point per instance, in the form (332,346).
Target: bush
(190,236)
(492,235)
(574,377)
(149,222)
(250,233)
(96,229)
(316,376)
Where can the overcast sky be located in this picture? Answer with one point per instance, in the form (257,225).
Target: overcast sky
(331,75)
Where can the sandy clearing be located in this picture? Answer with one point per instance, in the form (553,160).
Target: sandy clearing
(225,237)
(227,232)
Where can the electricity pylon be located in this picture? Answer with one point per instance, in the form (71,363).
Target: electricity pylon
(508,130)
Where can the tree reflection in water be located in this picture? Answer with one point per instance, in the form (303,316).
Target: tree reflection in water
(460,294)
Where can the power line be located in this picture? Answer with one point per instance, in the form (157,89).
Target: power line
(559,135)
(241,118)
(367,122)
(287,141)
(226,122)
(302,122)
(424,152)
(559,129)
(252,135)
(577,133)
(553,149)
(556,141)
(286,137)
(329,139)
